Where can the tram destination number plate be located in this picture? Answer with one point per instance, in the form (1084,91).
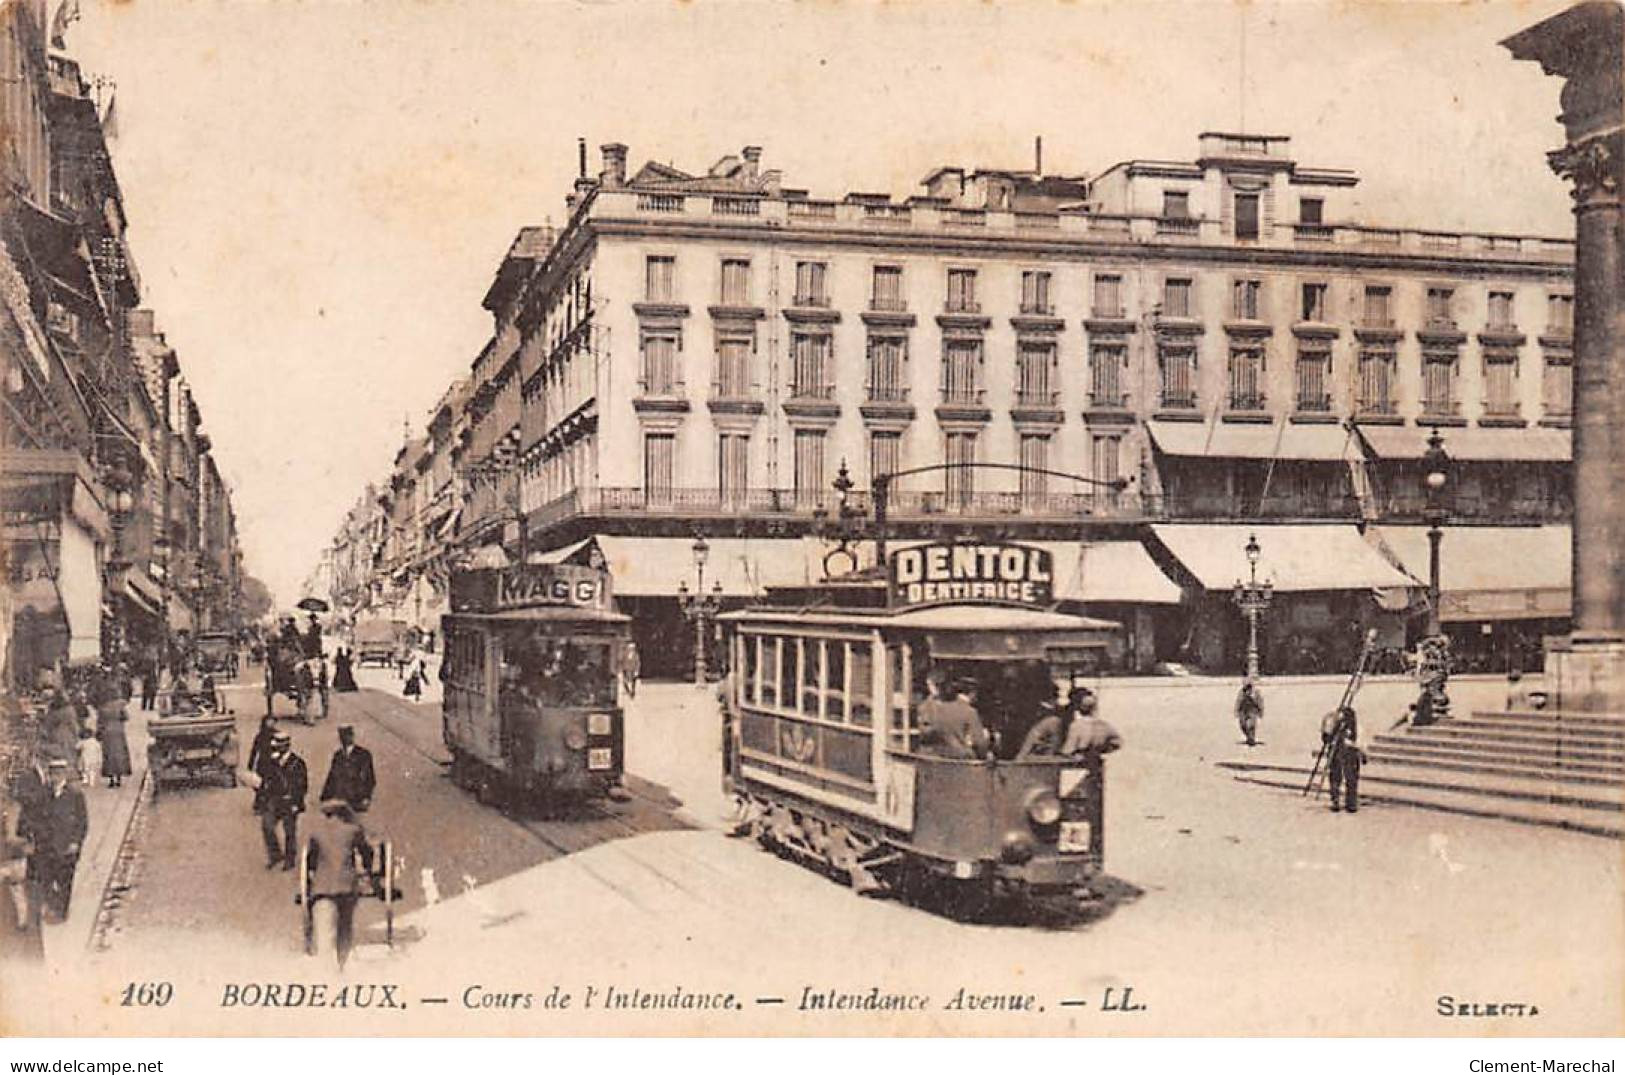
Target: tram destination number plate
(598,758)
(1074,836)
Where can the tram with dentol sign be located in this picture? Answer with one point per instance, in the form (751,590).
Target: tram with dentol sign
(830,761)
(531,671)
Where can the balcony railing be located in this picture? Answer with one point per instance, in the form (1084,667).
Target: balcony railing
(1175,400)
(882,305)
(886,393)
(1478,509)
(1222,506)
(962,306)
(1176,225)
(660,386)
(813,210)
(1440,408)
(812,391)
(811,301)
(1037,397)
(736,206)
(964,397)
(1314,404)
(1246,401)
(1038,309)
(1375,407)
(1108,313)
(662,203)
(1501,408)
(1314,233)
(1109,397)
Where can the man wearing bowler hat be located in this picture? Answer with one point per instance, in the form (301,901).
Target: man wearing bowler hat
(52,827)
(280,800)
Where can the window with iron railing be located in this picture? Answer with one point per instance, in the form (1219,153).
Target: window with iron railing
(1107,369)
(733,468)
(959,480)
(810,283)
(962,372)
(962,291)
(1560,315)
(1176,298)
(1313,305)
(733,379)
(1176,365)
(735,282)
(1439,384)
(1501,382)
(810,366)
(1105,455)
(888,377)
(1500,313)
(662,376)
(809,466)
(1035,293)
(1034,459)
(1035,375)
(885,453)
(659,467)
(1246,378)
(1378,312)
(887,294)
(1245,295)
(1557,385)
(1375,393)
(1108,297)
(1313,381)
(1439,306)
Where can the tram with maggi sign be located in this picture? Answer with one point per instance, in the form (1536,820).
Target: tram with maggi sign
(879,725)
(532,673)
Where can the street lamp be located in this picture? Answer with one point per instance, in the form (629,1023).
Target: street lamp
(1253,598)
(843,528)
(1433,657)
(699,607)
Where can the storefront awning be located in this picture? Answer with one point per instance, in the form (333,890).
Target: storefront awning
(1108,571)
(1491,572)
(656,566)
(1532,445)
(1281,440)
(1293,558)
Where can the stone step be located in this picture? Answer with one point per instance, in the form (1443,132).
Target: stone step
(1610,799)
(1593,822)
(1533,722)
(1462,732)
(1564,755)
(1579,716)
(1468,764)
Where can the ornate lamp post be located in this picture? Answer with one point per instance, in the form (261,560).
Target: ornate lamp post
(1436,476)
(844,527)
(699,607)
(1253,598)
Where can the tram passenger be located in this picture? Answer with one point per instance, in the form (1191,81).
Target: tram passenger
(1089,732)
(953,729)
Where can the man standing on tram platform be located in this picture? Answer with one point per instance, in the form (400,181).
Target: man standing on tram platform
(953,729)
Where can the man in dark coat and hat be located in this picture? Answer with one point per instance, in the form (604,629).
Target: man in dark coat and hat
(53,827)
(280,800)
(349,774)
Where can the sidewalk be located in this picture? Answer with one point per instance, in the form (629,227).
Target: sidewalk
(109,811)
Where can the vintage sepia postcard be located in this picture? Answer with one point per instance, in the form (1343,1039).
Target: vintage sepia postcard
(737,519)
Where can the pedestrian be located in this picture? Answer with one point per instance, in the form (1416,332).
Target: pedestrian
(304,686)
(90,759)
(1345,753)
(61,726)
(53,829)
(338,859)
(343,672)
(115,746)
(631,668)
(259,752)
(1249,711)
(149,682)
(350,775)
(21,938)
(414,685)
(280,800)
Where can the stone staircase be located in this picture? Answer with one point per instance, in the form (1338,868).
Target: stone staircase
(1565,769)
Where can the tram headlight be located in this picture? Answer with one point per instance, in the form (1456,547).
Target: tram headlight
(1018,847)
(600,724)
(576,739)
(1044,807)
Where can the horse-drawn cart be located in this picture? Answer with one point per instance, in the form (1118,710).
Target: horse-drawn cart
(192,749)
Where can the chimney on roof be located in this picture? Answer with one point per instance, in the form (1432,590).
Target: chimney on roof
(1038,154)
(581,158)
(614,173)
(753,161)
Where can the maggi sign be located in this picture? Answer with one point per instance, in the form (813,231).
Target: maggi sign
(971,573)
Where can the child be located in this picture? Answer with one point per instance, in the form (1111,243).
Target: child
(90,758)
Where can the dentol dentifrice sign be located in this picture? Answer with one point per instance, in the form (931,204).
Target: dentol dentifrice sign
(971,573)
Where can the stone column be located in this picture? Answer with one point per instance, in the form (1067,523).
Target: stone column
(1583,45)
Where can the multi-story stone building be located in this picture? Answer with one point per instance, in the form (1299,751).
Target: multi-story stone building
(1214,347)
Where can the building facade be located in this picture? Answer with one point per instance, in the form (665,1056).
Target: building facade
(1163,357)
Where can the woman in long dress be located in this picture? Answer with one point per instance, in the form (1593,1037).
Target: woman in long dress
(115,743)
(343,675)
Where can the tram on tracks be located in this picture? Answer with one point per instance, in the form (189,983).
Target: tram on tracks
(827,750)
(531,671)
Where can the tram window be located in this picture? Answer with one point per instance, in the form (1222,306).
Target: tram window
(752,651)
(770,671)
(811,665)
(835,678)
(860,684)
(900,679)
(556,672)
(789,672)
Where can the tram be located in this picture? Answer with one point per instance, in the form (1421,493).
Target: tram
(531,673)
(825,746)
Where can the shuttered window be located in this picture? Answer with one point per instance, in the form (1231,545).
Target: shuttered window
(733,369)
(660,370)
(1246,377)
(810,284)
(962,291)
(1245,299)
(1176,361)
(1034,458)
(1439,383)
(809,466)
(1176,298)
(959,483)
(735,282)
(1103,466)
(1560,315)
(1501,310)
(660,279)
(1106,361)
(1035,364)
(887,381)
(885,453)
(1557,385)
(1108,298)
(1314,379)
(659,467)
(810,366)
(1376,388)
(1035,292)
(1378,307)
(888,288)
(961,372)
(733,468)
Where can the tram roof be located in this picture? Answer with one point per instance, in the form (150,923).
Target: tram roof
(930,618)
